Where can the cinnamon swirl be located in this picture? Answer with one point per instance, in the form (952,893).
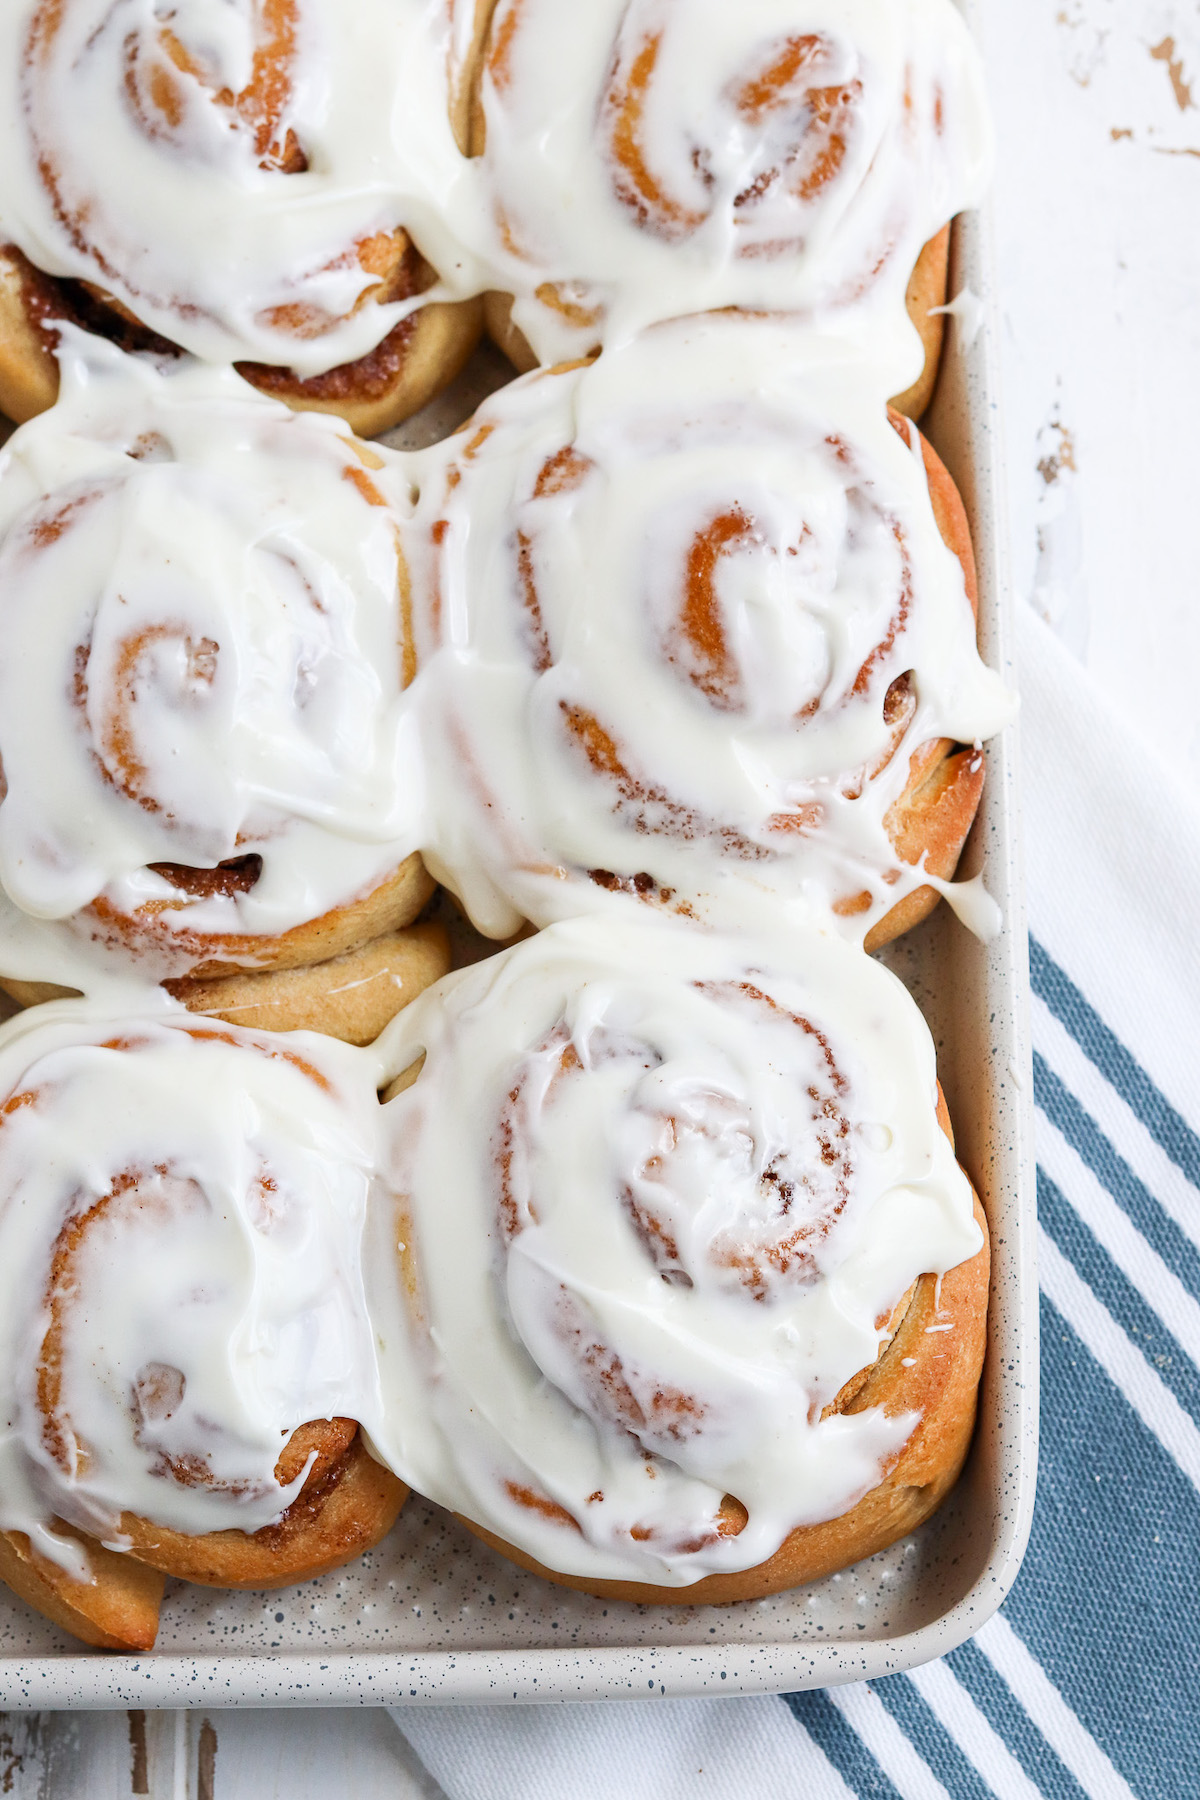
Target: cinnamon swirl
(208,756)
(687,1290)
(184,1349)
(275,190)
(781,155)
(700,631)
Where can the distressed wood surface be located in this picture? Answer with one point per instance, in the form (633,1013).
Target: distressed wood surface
(219,1756)
(1097,210)
(1098,229)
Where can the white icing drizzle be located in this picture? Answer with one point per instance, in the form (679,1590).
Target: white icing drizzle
(968,312)
(652,1193)
(792,155)
(142,147)
(201,602)
(669,593)
(213,1301)
(972,905)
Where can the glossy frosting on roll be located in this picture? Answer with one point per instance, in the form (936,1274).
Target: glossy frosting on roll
(693,617)
(656,1194)
(181,1208)
(790,155)
(204,609)
(239,174)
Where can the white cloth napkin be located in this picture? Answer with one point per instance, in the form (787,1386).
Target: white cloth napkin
(1082,1686)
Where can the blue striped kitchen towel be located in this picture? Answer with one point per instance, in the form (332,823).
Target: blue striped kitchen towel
(1088,1681)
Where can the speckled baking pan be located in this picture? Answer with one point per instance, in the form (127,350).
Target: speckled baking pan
(434,1616)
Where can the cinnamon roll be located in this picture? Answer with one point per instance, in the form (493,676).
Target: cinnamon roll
(275,190)
(700,632)
(184,1350)
(687,1290)
(208,756)
(781,155)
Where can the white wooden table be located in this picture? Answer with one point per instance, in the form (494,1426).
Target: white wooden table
(1098,215)
(190,1756)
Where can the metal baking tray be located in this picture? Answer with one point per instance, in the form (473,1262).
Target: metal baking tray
(432,1615)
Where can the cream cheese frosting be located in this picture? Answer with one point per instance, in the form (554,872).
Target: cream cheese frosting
(181,1210)
(687,617)
(257,157)
(649,1204)
(203,603)
(645,159)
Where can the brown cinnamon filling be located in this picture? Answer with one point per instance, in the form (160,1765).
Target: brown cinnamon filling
(642,885)
(325,1476)
(153,63)
(823,118)
(647,809)
(236,876)
(325,1440)
(372,375)
(48,299)
(704,656)
(713,669)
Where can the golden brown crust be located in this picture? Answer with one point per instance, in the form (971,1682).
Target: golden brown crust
(28,370)
(31,307)
(932,819)
(466,113)
(35,993)
(416,360)
(116,1610)
(934,814)
(419,356)
(405,1079)
(351,997)
(392,904)
(940,1381)
(349,1503)
(347,1509)
(949,512)
(927,289)
(507,337)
